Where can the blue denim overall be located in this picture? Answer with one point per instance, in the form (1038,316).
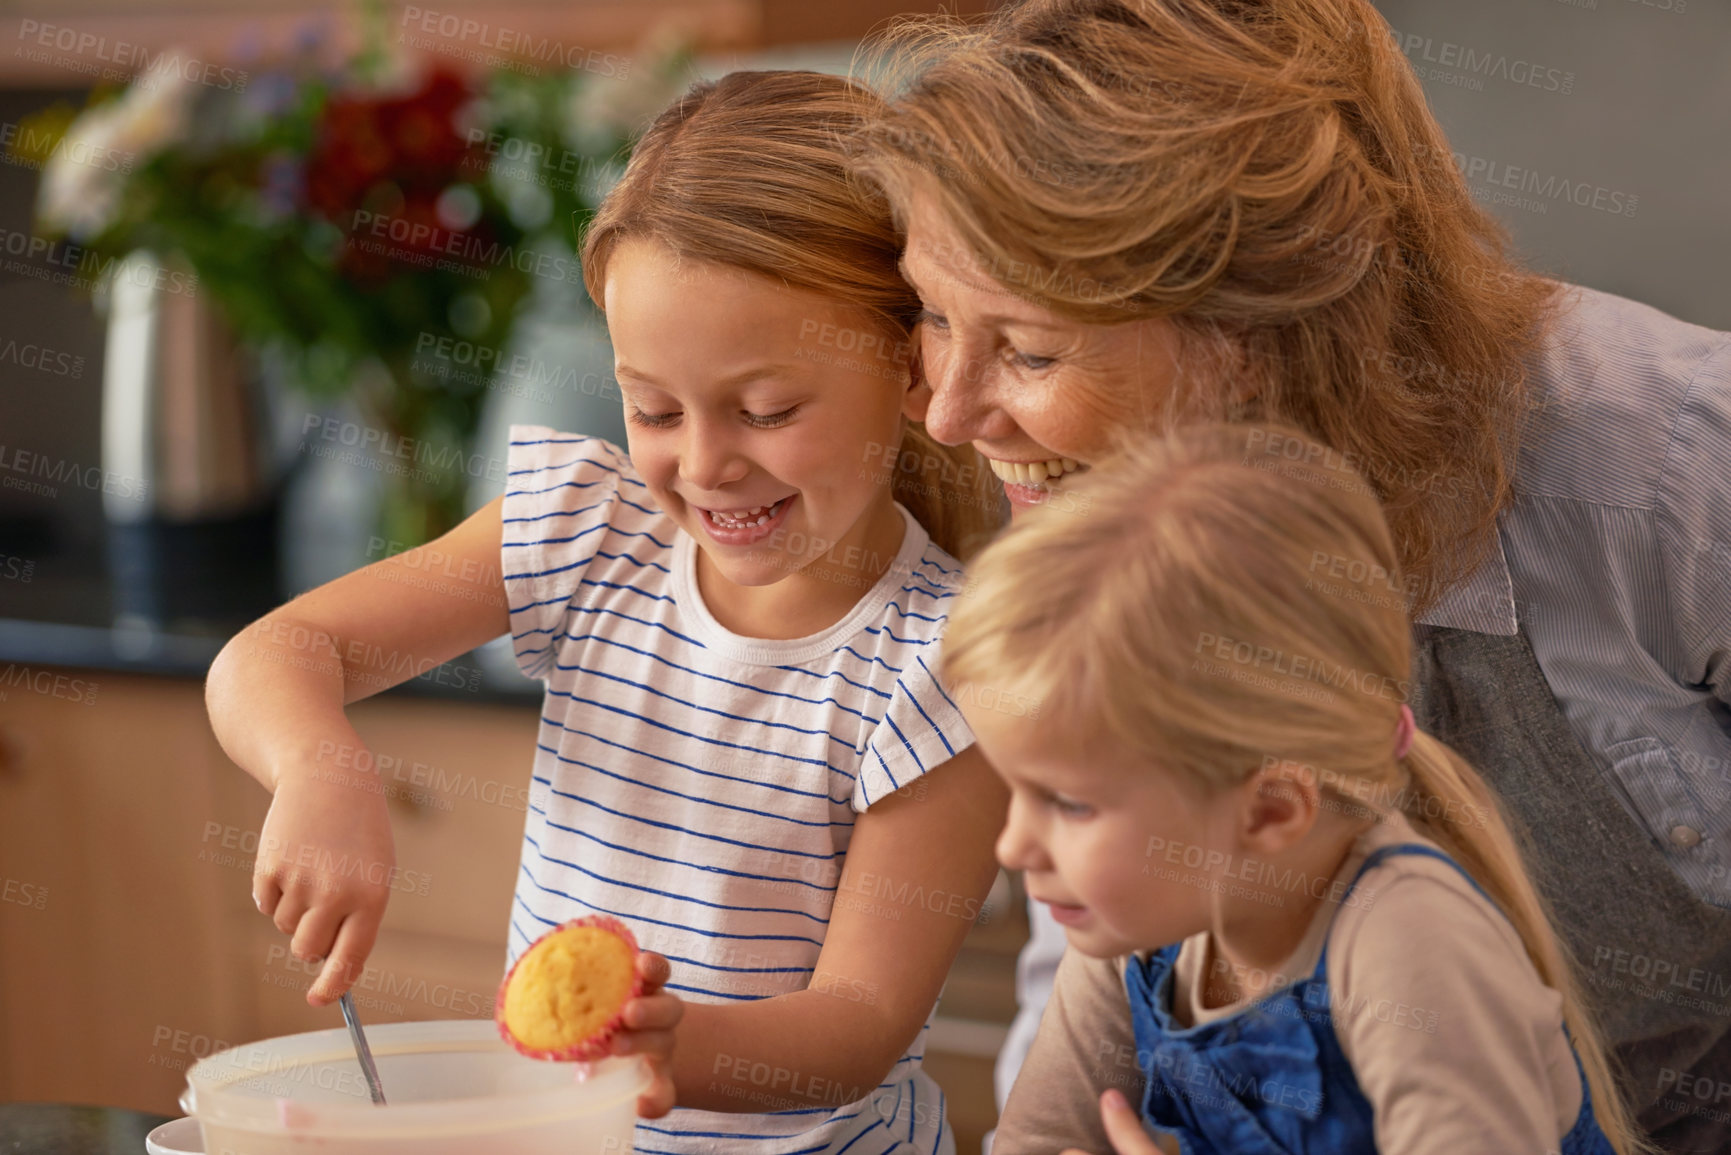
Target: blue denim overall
(1270,1079)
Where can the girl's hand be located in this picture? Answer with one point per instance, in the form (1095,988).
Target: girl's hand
(649,1022)
(1123,1127)
(324,871)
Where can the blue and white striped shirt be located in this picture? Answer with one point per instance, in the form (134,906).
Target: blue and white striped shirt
(702,786)
(1616,559)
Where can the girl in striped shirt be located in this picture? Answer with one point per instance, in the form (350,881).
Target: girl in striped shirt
(737,622)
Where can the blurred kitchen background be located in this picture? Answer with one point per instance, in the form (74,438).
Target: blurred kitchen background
(274,278)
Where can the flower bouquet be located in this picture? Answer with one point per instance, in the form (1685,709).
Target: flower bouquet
(344,218)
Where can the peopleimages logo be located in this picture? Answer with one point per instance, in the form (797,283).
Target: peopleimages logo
(48,683)
(467,254)
(1299,667)
(65,263)
(432,456)
(89,51)
(28,355)
(495,44)
(1478,65)
(17,465)
(1495,176)
(455,358)
(32,147)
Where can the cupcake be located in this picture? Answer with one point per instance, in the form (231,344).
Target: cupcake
(563,998)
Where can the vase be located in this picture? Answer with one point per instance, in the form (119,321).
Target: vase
(182,434)
(418,503)
(424,433)
(189,487)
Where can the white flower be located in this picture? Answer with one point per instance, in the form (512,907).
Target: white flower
(620,104)
(84,178)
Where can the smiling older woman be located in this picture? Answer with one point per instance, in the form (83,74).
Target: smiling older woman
(1126,213)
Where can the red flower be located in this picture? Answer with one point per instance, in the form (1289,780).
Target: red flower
(390,155)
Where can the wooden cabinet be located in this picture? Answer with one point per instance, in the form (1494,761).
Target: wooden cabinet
(974,1014)
(129,944)
(104,791)
(456,776)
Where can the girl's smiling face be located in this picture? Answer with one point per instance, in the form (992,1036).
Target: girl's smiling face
(1093,837)
(753,428)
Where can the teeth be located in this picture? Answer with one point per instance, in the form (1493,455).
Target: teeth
(742,518)
(1033,472)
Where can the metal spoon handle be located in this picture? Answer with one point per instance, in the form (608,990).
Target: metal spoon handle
(362,1052)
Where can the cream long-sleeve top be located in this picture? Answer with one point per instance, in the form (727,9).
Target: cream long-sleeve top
(1454,1039)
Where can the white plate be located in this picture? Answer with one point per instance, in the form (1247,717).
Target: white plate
(181,1137)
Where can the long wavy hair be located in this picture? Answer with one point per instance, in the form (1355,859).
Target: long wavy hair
(1109,612)
(1269,178)
(751,172)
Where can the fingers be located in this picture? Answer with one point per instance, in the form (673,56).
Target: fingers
(316,934)
(1124,1127)
(348,958)
(287,915)
(655,1043)
(650,1021)
(656,1103)
(330,912)
(653,969)
(661,1095)
(323,922)
(266,894)
(654,1012)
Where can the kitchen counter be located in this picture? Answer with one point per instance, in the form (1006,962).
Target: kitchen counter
(165,600)
(63,1129)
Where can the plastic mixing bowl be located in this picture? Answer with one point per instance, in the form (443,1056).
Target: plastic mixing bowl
(452,1088)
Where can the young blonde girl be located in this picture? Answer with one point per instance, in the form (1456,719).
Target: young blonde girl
(1299,924)
(737,624)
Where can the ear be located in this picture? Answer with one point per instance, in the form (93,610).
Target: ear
(1277,807)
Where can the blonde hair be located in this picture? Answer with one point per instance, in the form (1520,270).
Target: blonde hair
(1267,176)
(750,172)
(1228,598)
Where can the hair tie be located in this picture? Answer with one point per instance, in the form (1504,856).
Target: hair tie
(1403,732)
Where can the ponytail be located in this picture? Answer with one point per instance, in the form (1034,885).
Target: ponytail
(1451,804)
(1116,615)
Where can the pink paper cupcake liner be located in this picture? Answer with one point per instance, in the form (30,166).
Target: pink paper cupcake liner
(596,1045)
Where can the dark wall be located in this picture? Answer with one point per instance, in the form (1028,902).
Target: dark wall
(51,405)
(1632,101)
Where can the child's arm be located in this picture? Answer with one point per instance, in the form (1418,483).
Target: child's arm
(1125,1130)
(1454,1040)
(276,694)
(1086,1044)
(917,871)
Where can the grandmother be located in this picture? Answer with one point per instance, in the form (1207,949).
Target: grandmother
(1121,214)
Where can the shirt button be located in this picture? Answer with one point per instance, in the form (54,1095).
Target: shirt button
(1685,836)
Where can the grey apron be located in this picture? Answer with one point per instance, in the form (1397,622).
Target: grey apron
(1610,887)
